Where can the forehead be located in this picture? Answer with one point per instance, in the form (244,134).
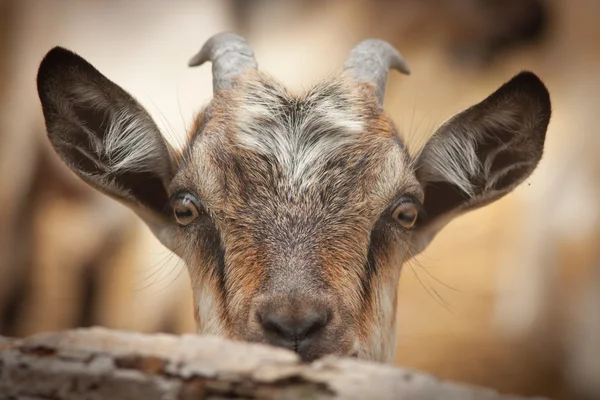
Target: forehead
(259,140)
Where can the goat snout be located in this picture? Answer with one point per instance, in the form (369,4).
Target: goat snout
(295,331)
(299,327)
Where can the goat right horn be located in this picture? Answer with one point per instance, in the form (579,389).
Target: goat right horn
(370,61)
(230,54)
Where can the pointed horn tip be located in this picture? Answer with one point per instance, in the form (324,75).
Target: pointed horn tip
(398,62)
(404,68)
(214,41)
(202,56)
(196,61)
(395,59)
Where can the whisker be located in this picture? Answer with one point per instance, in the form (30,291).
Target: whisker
(438,297)
(180,112)
(154,267)
(157,275)
(412,118)
(163,118)
(178,265)
(418,263)
(164,276)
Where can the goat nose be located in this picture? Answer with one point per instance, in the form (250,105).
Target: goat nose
(296,332)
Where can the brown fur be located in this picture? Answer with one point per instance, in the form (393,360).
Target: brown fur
(294,241)
(328,223)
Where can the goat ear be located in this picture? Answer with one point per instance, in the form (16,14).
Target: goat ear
(482,153)
(107,138)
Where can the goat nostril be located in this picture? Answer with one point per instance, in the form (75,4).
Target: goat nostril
(292,331)
(313,325)
(272,325)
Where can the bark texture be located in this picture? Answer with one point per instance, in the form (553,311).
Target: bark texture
(105,364)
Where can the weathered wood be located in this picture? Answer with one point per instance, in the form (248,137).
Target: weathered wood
(103,364)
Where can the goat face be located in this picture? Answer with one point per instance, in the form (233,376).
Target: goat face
(294,213)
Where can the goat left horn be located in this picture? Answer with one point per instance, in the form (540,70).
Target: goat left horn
(370,61)
(230,54)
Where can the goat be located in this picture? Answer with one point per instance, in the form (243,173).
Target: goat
(293,212)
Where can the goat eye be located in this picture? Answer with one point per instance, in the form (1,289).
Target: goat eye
(186,209)
(406,213)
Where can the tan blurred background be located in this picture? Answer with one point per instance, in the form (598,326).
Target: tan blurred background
(507,296)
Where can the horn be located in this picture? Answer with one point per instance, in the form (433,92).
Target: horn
(230,54)
(370,61)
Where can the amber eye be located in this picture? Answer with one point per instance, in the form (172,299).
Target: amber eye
(406,213)
(186,209)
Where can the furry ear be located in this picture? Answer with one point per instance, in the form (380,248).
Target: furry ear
(107,138)
(482,153)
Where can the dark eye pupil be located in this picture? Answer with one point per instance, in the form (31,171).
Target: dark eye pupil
(183,213)
(185,210)
(407,216)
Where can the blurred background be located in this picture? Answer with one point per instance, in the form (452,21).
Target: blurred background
(507,296)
